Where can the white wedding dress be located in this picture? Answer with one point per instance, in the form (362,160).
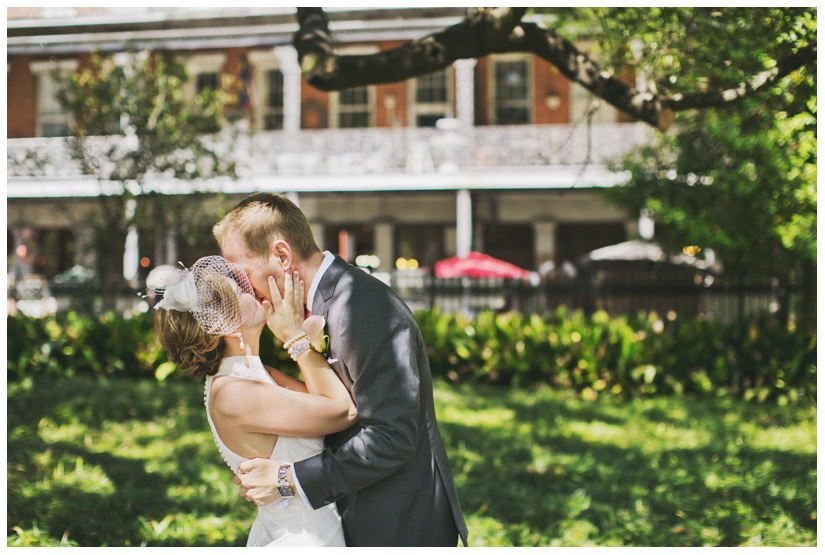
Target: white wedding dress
(290,523)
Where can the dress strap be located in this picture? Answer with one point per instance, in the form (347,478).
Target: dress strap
(245,367)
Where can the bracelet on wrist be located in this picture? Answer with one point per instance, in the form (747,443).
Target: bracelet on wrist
(291,342)
(298,348)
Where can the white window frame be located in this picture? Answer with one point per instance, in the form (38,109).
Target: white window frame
(415,109)
(261,63)
(42,69)
(335,97)
(202,63)
(531,82)
(580,97)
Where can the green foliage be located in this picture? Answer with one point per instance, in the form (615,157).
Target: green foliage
(140,96)
(132,462)
(132,123)
(627,356)
(595,356)
(739,178)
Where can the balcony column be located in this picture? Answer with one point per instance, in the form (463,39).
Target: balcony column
(545,241)
(463,223)
(383,233)
(645,227)
(288,62)
(130,250)
(464,93)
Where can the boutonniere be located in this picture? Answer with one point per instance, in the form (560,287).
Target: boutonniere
(314,328)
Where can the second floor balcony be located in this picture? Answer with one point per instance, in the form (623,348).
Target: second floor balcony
(566,150)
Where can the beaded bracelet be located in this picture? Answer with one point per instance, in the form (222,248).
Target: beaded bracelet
(295,339)
(298,348)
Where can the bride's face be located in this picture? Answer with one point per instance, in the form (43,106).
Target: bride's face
(254,311)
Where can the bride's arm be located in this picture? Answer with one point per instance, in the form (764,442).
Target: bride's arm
(258,407)
(268,409)
(285,380)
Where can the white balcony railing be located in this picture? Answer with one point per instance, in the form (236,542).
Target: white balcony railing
(370,151)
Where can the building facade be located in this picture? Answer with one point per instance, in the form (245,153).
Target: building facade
(489,155)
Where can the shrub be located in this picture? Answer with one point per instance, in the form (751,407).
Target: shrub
(624,355)
(594,355)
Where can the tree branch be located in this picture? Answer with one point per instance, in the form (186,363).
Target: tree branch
(499,30)
(802,57)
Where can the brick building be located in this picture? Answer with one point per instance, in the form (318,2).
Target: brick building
(488,155)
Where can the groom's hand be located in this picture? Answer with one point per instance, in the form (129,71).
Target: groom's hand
(258,479)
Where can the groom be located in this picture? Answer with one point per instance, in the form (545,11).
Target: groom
(389,473)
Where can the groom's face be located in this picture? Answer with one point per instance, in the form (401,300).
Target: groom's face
(257,269)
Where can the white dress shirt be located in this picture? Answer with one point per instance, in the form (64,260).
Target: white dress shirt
(328,259)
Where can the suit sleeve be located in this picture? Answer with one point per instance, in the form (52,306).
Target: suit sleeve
(374,337)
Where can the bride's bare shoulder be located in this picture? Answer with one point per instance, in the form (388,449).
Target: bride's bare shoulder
(233,397)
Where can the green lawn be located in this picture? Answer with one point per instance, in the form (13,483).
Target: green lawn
(133,463)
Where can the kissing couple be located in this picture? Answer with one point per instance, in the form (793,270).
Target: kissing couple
(351,455)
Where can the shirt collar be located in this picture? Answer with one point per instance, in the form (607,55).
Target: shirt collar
(328,260)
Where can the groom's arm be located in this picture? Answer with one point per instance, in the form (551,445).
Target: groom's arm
(376,339)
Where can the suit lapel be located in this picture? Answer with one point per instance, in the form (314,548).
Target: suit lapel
(326,287)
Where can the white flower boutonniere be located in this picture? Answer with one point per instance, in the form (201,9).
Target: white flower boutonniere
(314,328)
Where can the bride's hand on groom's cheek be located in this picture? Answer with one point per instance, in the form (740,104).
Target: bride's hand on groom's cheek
(285,314)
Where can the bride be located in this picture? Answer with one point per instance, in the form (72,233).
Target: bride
(210,324)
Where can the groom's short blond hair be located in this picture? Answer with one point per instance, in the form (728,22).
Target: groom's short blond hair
(263,218)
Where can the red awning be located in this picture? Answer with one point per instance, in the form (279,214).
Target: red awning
(478,265)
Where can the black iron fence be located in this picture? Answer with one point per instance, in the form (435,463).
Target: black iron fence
(671,292)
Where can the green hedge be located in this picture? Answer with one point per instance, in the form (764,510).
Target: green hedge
(595,355)
(638,355)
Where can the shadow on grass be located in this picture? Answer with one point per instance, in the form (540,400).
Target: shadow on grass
(560,466)
(112,510)
(632,491)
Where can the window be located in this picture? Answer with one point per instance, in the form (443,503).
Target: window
(205,81)
(267,94)
(354,108)
(511,91)
(51,119)
(204,73)
(274,105)
(582,102)
(432,98)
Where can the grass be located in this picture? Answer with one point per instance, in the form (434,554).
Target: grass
(128,463)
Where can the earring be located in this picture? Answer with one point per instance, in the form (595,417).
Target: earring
(240,336)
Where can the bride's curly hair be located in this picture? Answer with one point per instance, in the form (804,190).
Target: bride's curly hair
(195,352)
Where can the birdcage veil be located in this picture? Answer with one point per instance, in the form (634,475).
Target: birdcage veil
(215,291)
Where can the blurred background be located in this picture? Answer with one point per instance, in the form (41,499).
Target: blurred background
(620,315)
(500,155)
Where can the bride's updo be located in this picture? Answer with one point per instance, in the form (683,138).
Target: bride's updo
(195,352)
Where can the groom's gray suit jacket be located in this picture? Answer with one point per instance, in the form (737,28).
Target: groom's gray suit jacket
(389,472)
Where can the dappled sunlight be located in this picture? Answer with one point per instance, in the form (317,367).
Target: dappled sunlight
(652,471)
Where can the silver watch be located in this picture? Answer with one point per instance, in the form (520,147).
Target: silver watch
(284,489)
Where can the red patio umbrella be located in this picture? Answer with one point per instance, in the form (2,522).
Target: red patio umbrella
(478,265)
